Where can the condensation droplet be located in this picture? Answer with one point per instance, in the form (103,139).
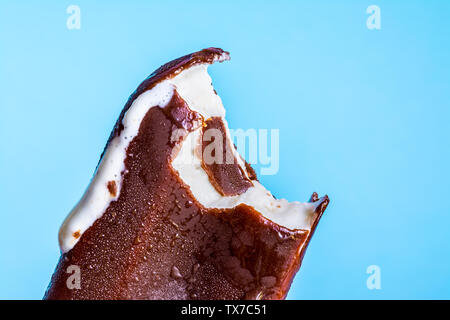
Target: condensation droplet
(175,273)
(195,268)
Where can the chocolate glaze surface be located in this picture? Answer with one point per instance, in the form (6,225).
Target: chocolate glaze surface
(157,242)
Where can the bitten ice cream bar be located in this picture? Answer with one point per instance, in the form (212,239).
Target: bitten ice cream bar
(164,217)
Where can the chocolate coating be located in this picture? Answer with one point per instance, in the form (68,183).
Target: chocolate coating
(223,170)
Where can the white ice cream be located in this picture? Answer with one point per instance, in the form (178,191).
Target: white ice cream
(194,86)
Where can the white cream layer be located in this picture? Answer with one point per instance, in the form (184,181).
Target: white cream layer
(194,86)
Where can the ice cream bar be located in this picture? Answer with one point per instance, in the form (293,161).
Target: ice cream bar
(173,211)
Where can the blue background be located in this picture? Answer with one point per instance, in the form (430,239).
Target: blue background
(363,116)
